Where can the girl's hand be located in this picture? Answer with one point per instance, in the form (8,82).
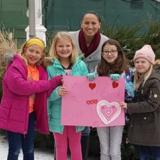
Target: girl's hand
(62,91)
(115,76)
(92,76)
(123,105)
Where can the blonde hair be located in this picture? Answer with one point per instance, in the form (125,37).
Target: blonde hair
(57,37)
(142,78)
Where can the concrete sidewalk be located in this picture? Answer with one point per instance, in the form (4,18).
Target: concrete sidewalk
(39,154)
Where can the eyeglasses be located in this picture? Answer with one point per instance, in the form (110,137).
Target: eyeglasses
(111,51)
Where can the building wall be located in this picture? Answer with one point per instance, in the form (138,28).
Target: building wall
(13,16)
(66,15)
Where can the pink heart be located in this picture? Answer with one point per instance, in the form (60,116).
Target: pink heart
(108,111)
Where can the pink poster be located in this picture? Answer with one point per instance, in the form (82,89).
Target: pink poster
(93,103)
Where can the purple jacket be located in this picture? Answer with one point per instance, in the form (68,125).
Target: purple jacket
(16,91)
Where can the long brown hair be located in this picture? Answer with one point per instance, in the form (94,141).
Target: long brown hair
(120,65)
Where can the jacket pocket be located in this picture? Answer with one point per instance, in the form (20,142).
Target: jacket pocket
(144,118)
(4,112)
(17,114)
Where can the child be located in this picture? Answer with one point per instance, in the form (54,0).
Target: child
(144,130)
(113,64)
(65,62)
(23,104)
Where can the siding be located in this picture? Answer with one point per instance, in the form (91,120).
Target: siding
(66,14)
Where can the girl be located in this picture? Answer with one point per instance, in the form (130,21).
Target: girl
(23,104)
(65,61)
(144,130)
(88,41)
(114,64)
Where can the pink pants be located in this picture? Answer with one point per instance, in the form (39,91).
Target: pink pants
(69,137)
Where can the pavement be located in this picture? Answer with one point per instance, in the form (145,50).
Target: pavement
(39,154)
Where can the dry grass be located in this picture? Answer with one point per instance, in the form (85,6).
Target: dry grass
(7,46)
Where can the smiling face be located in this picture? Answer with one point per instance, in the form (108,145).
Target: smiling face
(110,53)
(90,25)
(142,65)
(63,48)
(33,54)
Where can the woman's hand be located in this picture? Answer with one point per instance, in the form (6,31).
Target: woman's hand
(62,91)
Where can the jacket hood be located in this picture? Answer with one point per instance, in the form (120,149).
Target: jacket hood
(16,60)
(155,74)
(19,63)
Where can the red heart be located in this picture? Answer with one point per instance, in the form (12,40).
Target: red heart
(115,84)
(92,85)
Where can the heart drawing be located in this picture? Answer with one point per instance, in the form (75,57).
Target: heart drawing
(92,85)
(115,84)
(107,111)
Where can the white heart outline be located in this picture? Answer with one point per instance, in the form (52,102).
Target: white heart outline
(108,104)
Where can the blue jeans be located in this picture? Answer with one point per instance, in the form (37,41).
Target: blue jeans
(110,139)
(16,141)
(148,152)
(85,142)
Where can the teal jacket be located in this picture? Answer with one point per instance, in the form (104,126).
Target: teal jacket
(79,68)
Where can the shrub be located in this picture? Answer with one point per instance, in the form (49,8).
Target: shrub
(134,37)
(7,44)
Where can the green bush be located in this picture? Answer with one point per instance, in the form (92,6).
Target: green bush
(7,43)
(133,38)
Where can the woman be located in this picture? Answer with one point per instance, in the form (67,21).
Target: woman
(88,41)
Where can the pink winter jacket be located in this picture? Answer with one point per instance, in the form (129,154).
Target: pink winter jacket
(16,91)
